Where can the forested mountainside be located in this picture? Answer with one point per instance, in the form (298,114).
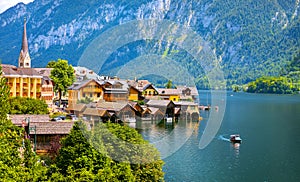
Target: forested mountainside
(250,38)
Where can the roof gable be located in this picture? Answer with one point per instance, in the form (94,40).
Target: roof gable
(96,112)
(76,107)
(52,128)
(168,91)
(79,85)
(160,103)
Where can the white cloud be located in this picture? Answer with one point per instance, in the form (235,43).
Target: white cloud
(5,4)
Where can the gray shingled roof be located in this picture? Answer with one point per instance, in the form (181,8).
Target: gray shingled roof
(44,71)
(95,112)
(76,107)
(18,118)
(11,71)
(111,106)
(158,103)
(52,127)
(168,91)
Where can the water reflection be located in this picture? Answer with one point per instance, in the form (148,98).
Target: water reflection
(236,147)
(167,137)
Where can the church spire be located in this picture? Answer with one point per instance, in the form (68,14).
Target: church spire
(24,58)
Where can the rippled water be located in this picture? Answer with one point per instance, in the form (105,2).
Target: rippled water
(270,151)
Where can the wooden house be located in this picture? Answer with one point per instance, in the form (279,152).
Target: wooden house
(40,127)
(95,114)
(118,110)
(135,94)
(169,94)
(165,106)
(188,94)
(76,109)
(91,89)
(115,90)
(45,131)
(188,110)
(153,113)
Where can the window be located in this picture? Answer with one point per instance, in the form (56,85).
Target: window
(98,94)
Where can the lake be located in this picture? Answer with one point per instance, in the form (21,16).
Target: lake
(269,126)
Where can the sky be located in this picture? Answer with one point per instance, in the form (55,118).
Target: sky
(5,4)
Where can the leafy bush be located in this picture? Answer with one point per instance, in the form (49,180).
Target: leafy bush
(21,105)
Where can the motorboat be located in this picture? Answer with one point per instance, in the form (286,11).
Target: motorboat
(235,138)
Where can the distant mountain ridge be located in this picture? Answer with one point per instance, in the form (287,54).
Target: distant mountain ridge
(251,38)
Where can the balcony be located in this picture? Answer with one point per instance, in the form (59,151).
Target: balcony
(92,90)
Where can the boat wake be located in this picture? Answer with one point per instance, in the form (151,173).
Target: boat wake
(221,137)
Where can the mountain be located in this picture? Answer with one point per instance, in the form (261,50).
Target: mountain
(250,38)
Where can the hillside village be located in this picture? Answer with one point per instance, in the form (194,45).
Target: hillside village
(93,98)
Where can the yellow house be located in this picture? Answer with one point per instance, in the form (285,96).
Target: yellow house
(169,94)
(149,91)
(23,82)
(134,94)
(47,85)
(91,89)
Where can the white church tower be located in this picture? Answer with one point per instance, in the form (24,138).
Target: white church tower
(24,58)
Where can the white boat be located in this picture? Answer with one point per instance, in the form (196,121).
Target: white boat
(169,119)
(235,138)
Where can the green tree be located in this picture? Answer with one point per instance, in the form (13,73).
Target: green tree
(4,95)
(62,75)
(78,159)
(102,154)
(125,144)
(51,64)
(17,160)
(169,84)
(272,85)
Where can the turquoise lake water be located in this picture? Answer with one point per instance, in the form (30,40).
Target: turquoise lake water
(270,151)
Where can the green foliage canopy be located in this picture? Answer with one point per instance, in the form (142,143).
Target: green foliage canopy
(273,85)
(17,160)
(62,75)
(4,95)
(101,154)
(22,105)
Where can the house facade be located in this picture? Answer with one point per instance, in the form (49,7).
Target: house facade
(91,89)
(47,85)
(149,91)
(23,82)
(115,91)
(165,106)
(169,94)
(119,111)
